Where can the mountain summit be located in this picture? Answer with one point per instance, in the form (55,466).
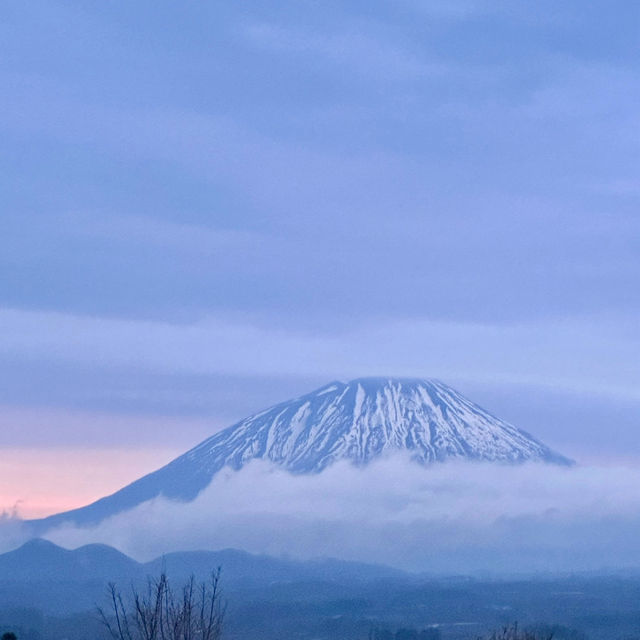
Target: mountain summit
(357,421)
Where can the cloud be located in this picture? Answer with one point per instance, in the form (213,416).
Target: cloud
(12,530)
(585,355)
(453,517)
(373,57)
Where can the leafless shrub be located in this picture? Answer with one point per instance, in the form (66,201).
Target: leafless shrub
(160,613)
(514,632)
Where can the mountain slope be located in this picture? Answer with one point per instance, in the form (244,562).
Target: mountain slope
(247,570)
(43,575)
(356,421)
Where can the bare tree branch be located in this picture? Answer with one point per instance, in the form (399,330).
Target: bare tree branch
(156,613)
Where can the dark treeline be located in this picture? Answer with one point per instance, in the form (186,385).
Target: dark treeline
(382,633)
(587,608)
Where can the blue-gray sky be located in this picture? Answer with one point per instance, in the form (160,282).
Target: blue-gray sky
(210,207)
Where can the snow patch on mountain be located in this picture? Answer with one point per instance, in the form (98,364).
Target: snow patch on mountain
(364,419)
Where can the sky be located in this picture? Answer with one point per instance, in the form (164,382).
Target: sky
(208,208)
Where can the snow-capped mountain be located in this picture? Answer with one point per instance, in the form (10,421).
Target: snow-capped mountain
(357,421)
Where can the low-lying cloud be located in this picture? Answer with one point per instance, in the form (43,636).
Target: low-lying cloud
(461,517)
(455,517)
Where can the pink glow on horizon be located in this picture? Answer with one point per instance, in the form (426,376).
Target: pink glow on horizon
(39,482)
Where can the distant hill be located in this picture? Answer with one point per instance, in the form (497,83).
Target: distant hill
(43,575)
(40,560)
